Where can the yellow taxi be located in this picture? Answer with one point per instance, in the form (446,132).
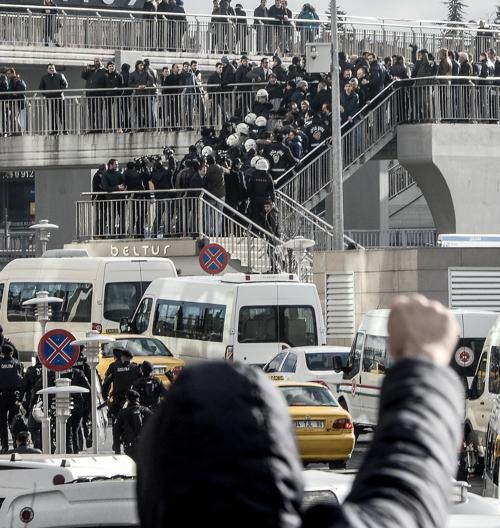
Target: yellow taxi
(143,349)
(323,429)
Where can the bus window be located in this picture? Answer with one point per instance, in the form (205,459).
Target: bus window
(141,321)
(375,355)
(494,377)
(353,363)
(472,346)
(75,308)
(479,381)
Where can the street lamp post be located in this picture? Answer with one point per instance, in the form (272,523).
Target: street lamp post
(43,228)
(299,245)
(62,392)
(43,313)
(92,343)
(337,198)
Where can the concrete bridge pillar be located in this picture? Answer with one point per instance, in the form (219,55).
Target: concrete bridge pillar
(56,192)
(457,168)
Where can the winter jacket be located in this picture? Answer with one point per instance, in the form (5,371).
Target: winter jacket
(247,462)
(214,181)
(53,81)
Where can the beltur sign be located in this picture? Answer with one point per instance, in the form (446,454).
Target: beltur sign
(141,249)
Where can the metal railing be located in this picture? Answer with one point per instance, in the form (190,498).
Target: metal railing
(296,220)
(401,238)
(16,245)
(205,34)
(185,214)
(399,179)
(432,100)
(73,112)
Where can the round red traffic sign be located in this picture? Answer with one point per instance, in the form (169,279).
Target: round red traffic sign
(56,351)
(213,259)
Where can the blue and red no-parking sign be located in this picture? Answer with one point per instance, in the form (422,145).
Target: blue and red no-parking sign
(213,259)
(56,351)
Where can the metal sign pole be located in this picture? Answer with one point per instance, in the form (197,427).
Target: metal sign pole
(337,196)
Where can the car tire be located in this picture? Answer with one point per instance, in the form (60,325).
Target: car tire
(337,464)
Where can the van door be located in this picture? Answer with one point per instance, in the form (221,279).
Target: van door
(476,405)
(122,290)
(257,323)
(373,367)
(351,378)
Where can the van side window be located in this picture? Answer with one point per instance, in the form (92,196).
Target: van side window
(290,363)
(75,308)
(2,285)
(258,324)
(293,325)
(141,320)
(375,355)
(494,378)
(479,381)
(353,362)
(189,320)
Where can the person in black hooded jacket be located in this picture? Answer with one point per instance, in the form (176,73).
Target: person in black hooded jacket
(225,430)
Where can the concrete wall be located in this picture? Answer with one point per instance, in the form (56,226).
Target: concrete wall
(409,210)
(366,197)
(379,275)
(89,150)
(56,191)
(456,167)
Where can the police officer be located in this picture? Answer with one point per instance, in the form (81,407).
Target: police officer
(149,387)
(86,429)
(129,423)
(11,381)
(74,425)
(279,155)
(32,378)
(5,341)
(122,378)
(317,130)
(260,187)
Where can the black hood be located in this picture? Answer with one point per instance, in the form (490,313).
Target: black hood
(220,449)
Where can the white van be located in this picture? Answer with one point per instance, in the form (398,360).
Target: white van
(471,241)
(97,293)
(247,318)
(369,357)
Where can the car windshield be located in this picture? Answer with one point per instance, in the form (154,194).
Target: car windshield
(325,360)
(308,396)
(139,346)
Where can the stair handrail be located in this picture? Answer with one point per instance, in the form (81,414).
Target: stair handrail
(312,218)
(320,148)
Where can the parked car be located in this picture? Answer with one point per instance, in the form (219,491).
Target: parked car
(143,349)
(310,363)
(323,429)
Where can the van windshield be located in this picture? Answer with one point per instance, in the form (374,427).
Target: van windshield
(75,308)
(293,325)
(139,346)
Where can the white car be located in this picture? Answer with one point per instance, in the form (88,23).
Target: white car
(309,363)
(325,487)
(68,490)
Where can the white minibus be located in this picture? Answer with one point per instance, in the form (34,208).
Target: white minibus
(468,241)
(369,357)
(97,293)
(238,316)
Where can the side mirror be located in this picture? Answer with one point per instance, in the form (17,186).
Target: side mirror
(124,325)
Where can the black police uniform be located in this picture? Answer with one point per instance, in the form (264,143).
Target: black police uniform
(81,364)
(11,381)
(122,376)
(7,342)
(280,158)
(150,389)
(128,427)
(260,187)
(317,131)
(74,424)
